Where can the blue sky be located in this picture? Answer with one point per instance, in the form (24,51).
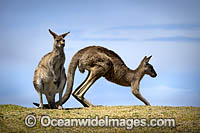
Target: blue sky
(168,30)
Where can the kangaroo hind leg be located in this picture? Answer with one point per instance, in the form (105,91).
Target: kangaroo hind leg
(61,88)
(83,88)
(95,72)
(38,84)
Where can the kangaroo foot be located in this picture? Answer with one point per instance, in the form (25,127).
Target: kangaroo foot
(83,101)
(60,107)
(41,108)
(88,103)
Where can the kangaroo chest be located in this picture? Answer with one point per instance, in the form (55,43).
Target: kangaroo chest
(58,62)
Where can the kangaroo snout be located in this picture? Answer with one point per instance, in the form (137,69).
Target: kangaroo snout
(61,44)
(154,75)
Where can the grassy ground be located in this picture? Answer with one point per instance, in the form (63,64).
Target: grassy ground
(187,118)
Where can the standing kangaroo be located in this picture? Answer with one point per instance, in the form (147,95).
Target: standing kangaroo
(49,76)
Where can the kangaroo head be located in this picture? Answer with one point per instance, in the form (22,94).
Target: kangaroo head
(59,41)
(148,68)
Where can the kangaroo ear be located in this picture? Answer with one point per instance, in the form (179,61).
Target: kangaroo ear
(147,59)
(144,59)
(53,34)
(63,35)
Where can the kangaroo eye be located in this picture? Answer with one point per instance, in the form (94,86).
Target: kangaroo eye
(57,41)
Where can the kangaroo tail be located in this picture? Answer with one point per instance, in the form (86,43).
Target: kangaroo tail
(70,77)
(36,104)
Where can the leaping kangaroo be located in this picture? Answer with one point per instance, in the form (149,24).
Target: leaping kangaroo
(101,62)
(49,76)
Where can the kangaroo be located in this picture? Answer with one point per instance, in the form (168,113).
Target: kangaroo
(101,62)
(49,76)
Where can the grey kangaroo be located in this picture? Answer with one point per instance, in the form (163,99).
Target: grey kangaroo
(101,62)
(49,76)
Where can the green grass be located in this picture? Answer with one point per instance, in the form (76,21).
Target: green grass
(187,118)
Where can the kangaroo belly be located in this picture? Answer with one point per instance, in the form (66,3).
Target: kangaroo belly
(43,80)
(117,76)
(118,81)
